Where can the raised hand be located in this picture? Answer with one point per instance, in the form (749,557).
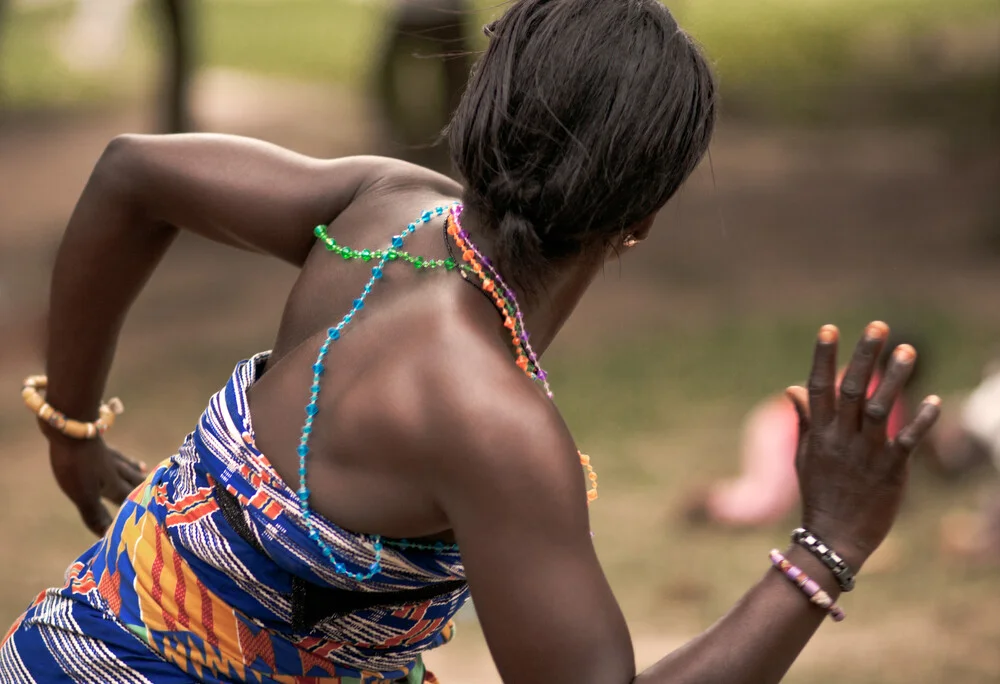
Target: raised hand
(851,475)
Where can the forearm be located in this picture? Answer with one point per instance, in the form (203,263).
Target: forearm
(109,251)
(758,640)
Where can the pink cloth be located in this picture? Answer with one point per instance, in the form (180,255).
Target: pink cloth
(767,488)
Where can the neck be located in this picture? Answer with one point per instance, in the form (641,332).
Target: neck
(554,297)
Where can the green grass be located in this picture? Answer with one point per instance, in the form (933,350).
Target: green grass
(776,58)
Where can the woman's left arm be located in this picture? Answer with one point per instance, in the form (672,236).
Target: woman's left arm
(144,189)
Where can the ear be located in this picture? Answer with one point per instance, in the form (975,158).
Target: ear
(640,229)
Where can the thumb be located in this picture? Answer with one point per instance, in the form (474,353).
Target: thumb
(799,397)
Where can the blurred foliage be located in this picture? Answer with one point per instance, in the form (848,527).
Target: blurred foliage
(812,61)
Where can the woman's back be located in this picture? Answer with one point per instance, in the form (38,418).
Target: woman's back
(402,359)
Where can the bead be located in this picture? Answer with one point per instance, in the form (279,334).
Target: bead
(522,362)
(376,272)
(426,216)
(319,231)
(397,241)
(418,261)
(488,285)
(439,211)
(366,255)
(303,450)
(359,304)
(449,264)
(318,368)
(312,409)
(468,255)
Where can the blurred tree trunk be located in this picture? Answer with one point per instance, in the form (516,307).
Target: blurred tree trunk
(432,32)
(177,27)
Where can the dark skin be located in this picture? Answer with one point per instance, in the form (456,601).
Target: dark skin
(424,411)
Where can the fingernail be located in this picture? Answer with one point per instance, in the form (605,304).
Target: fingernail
(877,330)
(828,334)
(934,400)
(143,466)
(904,353)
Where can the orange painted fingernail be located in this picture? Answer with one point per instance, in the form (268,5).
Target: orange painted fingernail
(828,334)
(904,353)
(877,330)
(934,400)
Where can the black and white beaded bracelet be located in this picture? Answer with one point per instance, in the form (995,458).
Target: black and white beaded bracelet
(830,558)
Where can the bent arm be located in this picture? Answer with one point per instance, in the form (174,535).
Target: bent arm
(519,515)
(232,190)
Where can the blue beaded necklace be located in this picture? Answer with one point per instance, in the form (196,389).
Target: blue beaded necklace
(312,408)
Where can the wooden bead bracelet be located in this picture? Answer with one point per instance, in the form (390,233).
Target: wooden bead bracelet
(31,392)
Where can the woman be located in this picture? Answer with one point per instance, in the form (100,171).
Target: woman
(396,410)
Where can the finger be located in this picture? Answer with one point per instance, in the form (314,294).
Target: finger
(95,515)
(880,404)
(822,377)
(117,489)
(799,397)
(854,387)
(909,437)
(139,466)
(133,472)
(130,473)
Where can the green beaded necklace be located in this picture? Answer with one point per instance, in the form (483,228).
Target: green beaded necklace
(390,254)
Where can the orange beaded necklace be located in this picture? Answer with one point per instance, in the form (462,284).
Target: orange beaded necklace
(512,319)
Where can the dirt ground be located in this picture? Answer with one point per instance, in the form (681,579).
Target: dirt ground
(778,223)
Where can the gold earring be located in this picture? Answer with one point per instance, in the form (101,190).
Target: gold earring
(630,241)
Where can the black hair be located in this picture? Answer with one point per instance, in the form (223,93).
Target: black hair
(582,118)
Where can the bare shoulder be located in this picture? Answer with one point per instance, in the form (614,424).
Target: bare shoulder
(472,420)
(395,175)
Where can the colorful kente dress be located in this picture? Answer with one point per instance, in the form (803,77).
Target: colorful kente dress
(208,575)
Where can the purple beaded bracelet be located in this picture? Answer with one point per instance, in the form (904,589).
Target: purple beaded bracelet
(808,585)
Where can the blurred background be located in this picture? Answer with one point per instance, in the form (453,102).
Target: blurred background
(855,175)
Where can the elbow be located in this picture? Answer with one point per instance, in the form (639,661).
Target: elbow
(116,170)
